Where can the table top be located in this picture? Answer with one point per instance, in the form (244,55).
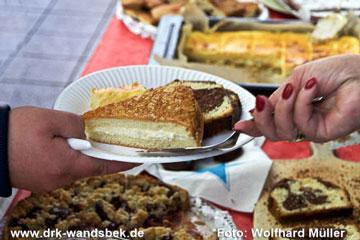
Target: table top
(120,47)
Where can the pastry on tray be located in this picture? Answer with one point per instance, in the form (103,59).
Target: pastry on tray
(141,15)
(103,96)
(233,8)
(110,202)
(221,107)
(275,52)
(150,11)
(308,198)
(339,231)
(161,118)
(158,11)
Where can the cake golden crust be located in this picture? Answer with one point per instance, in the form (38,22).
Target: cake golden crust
(170,104)
(276,52)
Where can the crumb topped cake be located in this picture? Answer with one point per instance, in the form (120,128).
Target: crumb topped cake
(308,198)
(110,202)
(221,107)
(165,117)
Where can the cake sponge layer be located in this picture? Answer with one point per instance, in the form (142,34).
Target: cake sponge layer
(142,134)
(165,117)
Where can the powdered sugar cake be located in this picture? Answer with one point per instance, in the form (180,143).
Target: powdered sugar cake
(165,117)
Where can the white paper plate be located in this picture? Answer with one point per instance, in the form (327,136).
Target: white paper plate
(75,98)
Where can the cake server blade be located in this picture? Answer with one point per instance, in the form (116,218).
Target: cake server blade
(228,142)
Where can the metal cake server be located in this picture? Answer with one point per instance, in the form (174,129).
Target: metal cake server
(228,142)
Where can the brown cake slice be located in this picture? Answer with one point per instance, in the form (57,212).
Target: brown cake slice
(161,118)
(221,107)
(308,198)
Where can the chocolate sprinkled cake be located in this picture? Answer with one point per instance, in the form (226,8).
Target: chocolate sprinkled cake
(221,107)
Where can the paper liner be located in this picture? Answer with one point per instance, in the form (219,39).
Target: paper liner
(349,140)
(6,202)
(214,218)
(135,26)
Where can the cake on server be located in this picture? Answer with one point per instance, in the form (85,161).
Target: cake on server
(308,198)
(221,107)
(161,118)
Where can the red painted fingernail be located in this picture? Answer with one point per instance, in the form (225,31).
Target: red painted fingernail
(310,83)
(252,111)
(260,103)
(287,91)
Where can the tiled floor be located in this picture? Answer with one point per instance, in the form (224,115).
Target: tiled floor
(45,45)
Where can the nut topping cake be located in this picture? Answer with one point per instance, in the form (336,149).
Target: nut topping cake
(161,118)
(110,202)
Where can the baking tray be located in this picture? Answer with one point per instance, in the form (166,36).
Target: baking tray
(168,35)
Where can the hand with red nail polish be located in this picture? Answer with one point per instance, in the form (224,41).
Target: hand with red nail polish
(294,106)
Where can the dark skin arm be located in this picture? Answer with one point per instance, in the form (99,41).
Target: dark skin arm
(40,158)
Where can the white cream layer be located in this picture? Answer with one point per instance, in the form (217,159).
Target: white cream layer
(145,134)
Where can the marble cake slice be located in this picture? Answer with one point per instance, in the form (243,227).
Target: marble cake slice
(308,198)
(221,107)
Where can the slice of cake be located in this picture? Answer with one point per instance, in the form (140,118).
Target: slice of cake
(308,198)
(104,96)
(328,232)
(161,118)
(221,107)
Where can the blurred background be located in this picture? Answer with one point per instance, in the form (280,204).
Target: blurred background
(45,44)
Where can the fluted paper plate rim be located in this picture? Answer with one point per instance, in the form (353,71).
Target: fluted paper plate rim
(75,98)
